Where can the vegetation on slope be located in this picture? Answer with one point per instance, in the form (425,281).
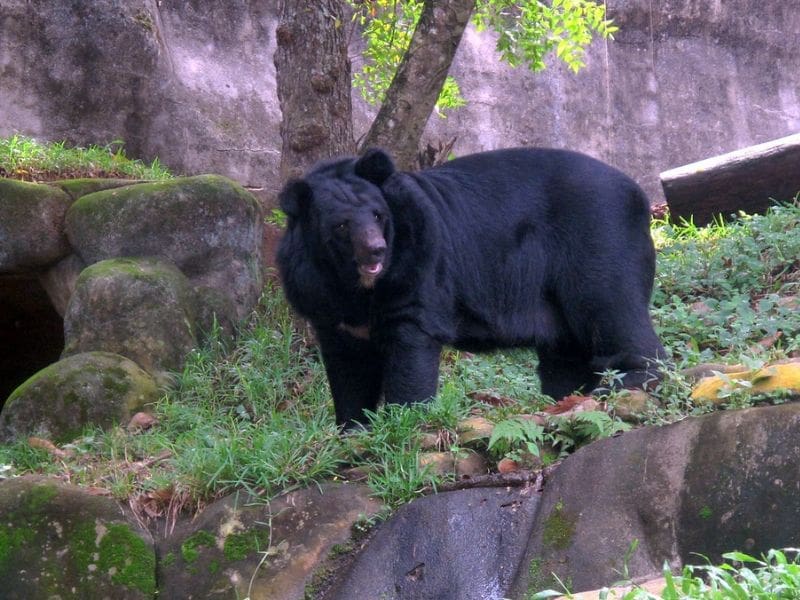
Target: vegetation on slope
(257,414)
(27,159)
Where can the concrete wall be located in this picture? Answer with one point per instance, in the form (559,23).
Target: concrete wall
(193,83)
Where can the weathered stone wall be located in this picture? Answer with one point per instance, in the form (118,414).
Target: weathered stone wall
(194,83)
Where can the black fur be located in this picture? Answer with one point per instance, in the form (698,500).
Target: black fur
(525,247)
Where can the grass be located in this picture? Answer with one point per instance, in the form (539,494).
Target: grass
(773,576)
(27,159)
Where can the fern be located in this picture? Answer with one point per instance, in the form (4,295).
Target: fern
(512,436)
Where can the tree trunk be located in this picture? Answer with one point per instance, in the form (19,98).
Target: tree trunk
(415,88)
(743,180)
(313,77)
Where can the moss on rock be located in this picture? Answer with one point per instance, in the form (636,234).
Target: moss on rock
(559,528)
(141,308)
(31,225)
(208,226)
(97,388)
(58,541)
(76,188)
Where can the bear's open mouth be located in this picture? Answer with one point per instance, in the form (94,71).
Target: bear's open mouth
(370,270)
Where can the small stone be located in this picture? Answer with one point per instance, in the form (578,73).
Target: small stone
(141,421)
(538,419)
(438,463)
(630,405)
(471,465)
(355,474)
(429,441)
(506,465)
(474,428)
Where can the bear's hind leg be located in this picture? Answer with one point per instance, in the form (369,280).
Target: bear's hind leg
(626,342)
(562,374)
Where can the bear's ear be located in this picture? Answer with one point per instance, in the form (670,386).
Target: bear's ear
(295,198)
(375,166)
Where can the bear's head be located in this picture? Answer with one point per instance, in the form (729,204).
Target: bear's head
(344,217)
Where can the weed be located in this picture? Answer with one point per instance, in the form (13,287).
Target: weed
(25,158)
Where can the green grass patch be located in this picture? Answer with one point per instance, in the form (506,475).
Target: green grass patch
(27,159)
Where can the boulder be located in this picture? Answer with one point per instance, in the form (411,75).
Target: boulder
(31,226)
(88,185)
(58,541)
(209,226)
(704,486)
(96,388)
(59,281)
(463,545)
(245,547)
(141,308)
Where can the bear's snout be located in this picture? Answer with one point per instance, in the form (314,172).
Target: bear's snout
(369,246)
(369,252)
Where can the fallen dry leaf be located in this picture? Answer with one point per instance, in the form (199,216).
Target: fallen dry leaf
(572,404)
(35,442)
(491,399)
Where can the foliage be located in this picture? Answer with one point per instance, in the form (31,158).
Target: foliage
(390,450)
(584,427)
(528,31)
(25,158)
(722,289)
(512,436)
(774,576)
(387,27)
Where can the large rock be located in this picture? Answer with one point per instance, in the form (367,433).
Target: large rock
(31,226)
(209,226)
(57,541)
(141,308)
(96,388)
(453,546)
(240,547)
(194,84)
(722,482)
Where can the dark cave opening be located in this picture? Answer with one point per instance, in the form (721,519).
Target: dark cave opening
(31,331)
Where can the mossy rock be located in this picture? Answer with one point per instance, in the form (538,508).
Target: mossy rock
(141,308)
(31,225)
(221,553)
(57,541)
(88,185)
(95,388)
(208,226)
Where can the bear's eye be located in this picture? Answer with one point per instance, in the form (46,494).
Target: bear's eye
(341,229)
(378,216)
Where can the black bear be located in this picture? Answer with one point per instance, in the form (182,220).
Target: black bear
(519,247)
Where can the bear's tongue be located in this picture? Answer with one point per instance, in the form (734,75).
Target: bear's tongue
(372,270)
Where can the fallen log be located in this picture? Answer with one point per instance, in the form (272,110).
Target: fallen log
(750,180)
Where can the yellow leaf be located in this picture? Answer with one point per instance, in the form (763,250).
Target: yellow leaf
(769,379)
